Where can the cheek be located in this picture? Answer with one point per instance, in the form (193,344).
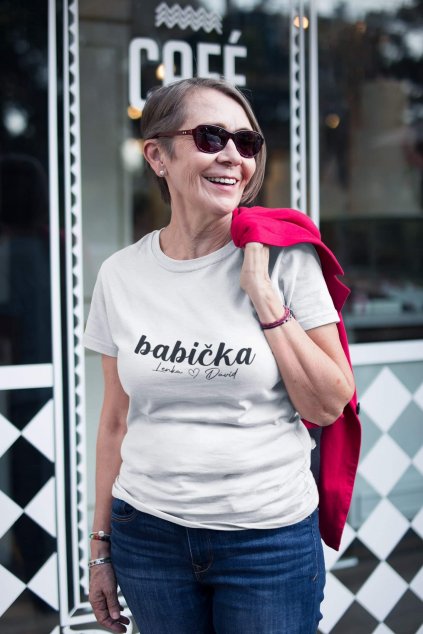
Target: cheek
(250,169)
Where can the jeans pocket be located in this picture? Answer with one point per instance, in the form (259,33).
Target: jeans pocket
(122,511)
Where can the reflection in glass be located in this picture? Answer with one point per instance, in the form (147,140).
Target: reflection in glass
(371,104)
(120,202)
(25,325)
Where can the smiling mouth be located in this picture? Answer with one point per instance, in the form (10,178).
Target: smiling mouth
(221,181)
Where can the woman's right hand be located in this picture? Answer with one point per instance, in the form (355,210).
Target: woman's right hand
(104,599)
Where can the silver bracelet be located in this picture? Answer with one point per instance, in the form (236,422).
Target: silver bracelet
(99,561)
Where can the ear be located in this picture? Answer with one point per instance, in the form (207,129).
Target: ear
(153,154)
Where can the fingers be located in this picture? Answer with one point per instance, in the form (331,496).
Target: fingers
(256,257)
(104,600)
(104,617)
(114,610)
(254,245)
(255,268)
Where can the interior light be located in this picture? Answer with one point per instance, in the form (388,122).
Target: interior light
(131,153)
(15,120)
(297,22)
(134,113)
(332,121)
(160,72)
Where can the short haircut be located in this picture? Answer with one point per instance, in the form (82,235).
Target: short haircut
(166,109)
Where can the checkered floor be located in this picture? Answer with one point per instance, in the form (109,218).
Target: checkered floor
(375,583)
(28,560)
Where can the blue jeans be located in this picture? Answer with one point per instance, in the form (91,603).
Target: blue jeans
(179,580)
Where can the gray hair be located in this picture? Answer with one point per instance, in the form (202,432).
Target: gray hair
(166,109)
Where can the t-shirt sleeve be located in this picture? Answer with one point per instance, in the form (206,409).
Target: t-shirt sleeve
(98,335)
(303,286)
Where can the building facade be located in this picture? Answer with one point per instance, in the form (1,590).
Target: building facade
(338,90)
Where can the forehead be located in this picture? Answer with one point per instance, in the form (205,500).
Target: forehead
(211,106)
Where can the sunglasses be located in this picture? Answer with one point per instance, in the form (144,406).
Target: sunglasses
(212,138)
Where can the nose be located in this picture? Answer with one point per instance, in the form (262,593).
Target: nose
(229,154)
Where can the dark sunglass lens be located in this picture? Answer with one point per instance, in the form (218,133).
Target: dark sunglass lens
(248,143)
(210,138)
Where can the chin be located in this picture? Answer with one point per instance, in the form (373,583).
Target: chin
(219,205)
(228,205)
(224,210)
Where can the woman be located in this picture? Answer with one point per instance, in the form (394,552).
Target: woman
(203,463)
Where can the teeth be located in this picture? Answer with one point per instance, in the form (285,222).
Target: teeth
(223,181)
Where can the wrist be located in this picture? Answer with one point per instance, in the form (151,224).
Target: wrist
(100,549)
(268,304)
(99,561)
(287,316)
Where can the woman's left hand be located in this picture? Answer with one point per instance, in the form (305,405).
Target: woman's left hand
(312,364)
(256,282)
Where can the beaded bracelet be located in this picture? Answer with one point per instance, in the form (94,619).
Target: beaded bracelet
(100,535)
(99,561)
(288,314)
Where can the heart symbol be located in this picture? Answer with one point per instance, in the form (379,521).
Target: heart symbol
(194,373)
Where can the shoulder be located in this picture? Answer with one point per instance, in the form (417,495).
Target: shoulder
(301,254)
(300,250)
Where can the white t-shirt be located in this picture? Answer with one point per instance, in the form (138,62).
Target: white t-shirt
(213,440)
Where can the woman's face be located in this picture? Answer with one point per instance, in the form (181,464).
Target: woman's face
(192,175)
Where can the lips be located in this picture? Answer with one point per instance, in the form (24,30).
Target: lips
(221,180)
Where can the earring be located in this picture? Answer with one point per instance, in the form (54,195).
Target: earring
(161,173)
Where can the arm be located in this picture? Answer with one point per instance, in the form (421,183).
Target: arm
(112,429)
(312,364)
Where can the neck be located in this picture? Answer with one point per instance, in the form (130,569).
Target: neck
(182,240)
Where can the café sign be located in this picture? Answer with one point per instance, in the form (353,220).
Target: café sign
(180,59)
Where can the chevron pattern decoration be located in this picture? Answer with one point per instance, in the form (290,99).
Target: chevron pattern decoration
(298,109)
(187,18)
(75,289)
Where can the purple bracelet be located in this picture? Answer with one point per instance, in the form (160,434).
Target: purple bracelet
(288,314)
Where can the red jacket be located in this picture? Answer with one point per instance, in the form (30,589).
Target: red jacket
(340,442)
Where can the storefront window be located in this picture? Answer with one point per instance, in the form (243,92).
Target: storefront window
(24,222)
(132,47)
(371,135)
(25,324)
(128,48)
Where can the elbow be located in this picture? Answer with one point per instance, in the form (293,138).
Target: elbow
(335,409)
(325,417)
(329,417)
(331,411)
(322,416)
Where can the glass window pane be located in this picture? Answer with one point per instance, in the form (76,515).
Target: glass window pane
(25,327)
(25,335)
(119,199)
(371,105)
